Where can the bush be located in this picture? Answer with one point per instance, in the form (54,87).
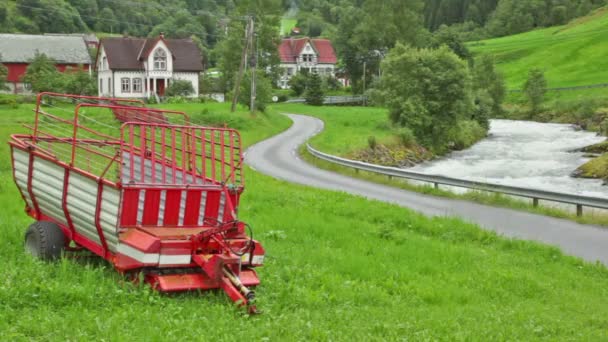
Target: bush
(263,91)
(298,83)
(177,100)
(371,142)
(535,89)
(8,100)
(179,88)
(406,137)
(465,134)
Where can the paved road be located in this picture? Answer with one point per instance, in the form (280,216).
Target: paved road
(277,157)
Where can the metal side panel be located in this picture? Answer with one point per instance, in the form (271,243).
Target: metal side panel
(81,203)
(179,175)
(47,187)
(109,216)
(21,165)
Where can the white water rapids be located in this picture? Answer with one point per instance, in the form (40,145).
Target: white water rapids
(525,154)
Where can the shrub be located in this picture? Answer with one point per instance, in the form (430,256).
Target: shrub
(371,142)
(263,91)
(465,134)
(180,88)
(406,137)
(8,100)
(535,89)
(298,83)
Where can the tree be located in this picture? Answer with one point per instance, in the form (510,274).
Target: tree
(426,90)
(298,83)
(446,36)
(180,88)
(42,75)
(227,52)
(3,75)
(77,81)
(314,93)
(488,80)
(535,89)
(263,90)
(359,28)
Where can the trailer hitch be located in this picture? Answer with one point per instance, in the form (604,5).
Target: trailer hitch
(244,295)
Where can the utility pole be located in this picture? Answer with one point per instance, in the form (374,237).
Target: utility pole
(364,79)
(239,79)
(254,64)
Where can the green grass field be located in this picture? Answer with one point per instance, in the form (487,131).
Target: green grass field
(347,128)
(338,268)
(571,55)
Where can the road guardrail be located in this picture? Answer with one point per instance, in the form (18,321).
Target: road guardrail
(334,100)
(535,194)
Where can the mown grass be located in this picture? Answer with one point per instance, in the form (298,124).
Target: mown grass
(571,55)
(347,129)
(338,268)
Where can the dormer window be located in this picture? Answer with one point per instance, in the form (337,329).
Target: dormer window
(160,59)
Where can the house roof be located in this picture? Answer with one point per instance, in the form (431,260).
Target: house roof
(21,48)
(290,49)
(129,53)
(88,37)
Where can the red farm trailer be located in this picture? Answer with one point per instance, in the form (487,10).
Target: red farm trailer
(143,188)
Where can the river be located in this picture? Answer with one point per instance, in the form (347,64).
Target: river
(526,154)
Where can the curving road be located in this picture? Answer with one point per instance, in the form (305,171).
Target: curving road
(278,157)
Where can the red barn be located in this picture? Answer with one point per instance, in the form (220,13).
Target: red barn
(17,50)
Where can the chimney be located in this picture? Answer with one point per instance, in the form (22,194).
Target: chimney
(162,35)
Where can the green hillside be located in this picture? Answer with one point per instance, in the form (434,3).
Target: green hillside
(571,55)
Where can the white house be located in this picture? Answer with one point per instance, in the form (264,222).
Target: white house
(315,55)
(142,67)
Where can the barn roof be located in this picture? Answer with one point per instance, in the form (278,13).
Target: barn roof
(129,53)
(290,49)
(21,48)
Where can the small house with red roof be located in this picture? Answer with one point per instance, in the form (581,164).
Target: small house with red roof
(315,55)
(142,67)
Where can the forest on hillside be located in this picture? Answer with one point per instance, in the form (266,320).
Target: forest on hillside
(362,31)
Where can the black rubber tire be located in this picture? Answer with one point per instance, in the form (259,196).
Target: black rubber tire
(44,240)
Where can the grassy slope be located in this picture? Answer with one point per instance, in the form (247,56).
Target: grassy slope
(338,267)
(571,55)
(347,128)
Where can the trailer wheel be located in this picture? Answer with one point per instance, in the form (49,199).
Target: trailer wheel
(44,240)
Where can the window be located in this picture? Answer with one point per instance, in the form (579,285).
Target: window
(137,85)
(125,85)
(109,85)
(104,63)
(100,86)
(160,59)
(307,58)
(289,71)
